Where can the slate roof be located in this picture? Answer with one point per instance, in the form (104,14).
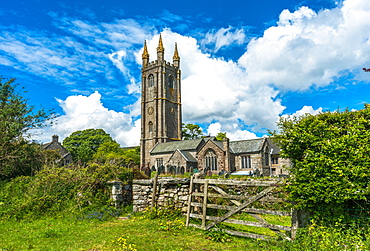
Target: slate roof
(245,146)
(275,148)
(172,146)
(187,155)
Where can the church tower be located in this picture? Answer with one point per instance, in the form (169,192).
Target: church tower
(161,116)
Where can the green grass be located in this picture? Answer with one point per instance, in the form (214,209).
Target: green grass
(61,233)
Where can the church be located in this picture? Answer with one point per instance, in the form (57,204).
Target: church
(161,145)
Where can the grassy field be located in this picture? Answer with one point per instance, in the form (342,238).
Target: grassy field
(63,233)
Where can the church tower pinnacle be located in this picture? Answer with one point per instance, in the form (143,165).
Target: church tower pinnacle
(176,57)
(145,56)
(161,114)
(160,50)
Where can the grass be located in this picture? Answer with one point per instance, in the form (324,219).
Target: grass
(63,233)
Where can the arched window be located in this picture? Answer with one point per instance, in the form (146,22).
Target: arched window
(150,125)
(151,80)
(170,82)
(267,156)
(211,160)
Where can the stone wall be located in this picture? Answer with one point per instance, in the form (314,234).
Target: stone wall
(170,193)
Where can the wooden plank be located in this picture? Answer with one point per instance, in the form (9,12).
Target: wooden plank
(249,235)
(226,196)
(240,197)
(204,208)
(218,189)
(238,182)
(246,223)
(195,225)
(241,207)
(189,201)
(246,210)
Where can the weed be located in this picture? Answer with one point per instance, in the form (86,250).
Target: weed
(218,235)
(122,244)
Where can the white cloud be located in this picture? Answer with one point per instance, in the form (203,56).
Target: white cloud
(224,37)
(304,111)
(84,112)
(308,48)
(307,110)
(233,132)
(217,90)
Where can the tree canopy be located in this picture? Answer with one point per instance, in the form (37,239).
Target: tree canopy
(221,136)
(17,155)
(191,131)
(84,144)
(330,157)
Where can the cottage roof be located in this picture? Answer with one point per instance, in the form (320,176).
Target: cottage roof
(191,144)
(55,145)
(245,146)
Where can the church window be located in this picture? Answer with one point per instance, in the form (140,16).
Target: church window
(246,162)
(150,125)
(159,162)
(267,156)
(150,80)
(211,161)
(170,82)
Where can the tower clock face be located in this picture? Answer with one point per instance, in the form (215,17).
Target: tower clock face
(150,110)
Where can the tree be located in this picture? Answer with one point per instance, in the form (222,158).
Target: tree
(113,153)
(330,157)
(17,118)
(221,136)
(84,144)
(191,131)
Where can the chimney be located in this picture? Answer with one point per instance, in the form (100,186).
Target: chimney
(55,138)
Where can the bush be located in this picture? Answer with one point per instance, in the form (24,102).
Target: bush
(52,190)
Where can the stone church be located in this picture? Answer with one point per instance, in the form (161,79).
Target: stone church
(161,118)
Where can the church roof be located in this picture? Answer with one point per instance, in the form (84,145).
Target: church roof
(187,155)
(245,146)
(275,148)
(191,144)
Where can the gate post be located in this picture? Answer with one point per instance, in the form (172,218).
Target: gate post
(300,219)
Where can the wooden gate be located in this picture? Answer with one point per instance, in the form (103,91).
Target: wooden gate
(210,195)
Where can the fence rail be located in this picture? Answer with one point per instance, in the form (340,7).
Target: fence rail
(208,194)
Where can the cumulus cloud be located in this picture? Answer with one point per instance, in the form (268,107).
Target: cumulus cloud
(217,90)
(84,112)
(307,48)
(307,110)
(233,131)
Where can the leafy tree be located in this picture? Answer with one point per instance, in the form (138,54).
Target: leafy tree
(17,118)
(220,136)
(113,153)
(330,157)
(191,131)
(84,144)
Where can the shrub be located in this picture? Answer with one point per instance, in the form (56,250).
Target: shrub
(60,189)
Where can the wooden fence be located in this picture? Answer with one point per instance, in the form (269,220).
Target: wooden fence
(212,195)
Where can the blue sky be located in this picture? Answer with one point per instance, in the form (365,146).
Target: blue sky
(244,63)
